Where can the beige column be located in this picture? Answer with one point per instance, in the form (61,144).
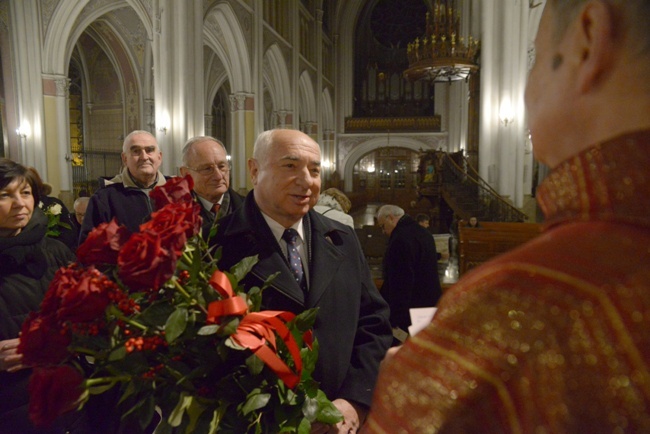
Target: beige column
(242,108)
(57,136)
(178,76)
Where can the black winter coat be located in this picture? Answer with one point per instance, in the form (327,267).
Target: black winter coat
(352,324)
(28,262)
(230,203)
(121,199)
(410,271)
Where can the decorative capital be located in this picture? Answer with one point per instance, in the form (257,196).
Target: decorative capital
(238,101)
(62,86)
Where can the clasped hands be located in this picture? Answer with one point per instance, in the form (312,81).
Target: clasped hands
(10,360)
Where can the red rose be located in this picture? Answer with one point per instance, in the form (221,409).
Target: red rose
(42,341)
(53,392)
(175,190)
(143,262)
(83,293)
(174,224)
(103,244)
(52,300)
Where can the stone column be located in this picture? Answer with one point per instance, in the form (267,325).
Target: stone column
(56,94)
(27,51)
(178,76)
(242,107)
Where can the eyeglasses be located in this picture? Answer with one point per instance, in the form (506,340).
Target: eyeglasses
(210,169)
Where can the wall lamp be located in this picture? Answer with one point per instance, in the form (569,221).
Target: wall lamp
(506,113)
(22,132)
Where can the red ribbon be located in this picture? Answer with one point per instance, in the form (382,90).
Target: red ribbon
(257,332)
(230,305)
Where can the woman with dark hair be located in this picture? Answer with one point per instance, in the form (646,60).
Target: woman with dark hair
(28,261)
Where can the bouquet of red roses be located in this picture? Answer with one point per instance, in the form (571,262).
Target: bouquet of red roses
(151,315)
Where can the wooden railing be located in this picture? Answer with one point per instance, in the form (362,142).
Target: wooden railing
(469,195)
(490,239)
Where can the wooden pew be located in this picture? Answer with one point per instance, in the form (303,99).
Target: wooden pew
(478,245)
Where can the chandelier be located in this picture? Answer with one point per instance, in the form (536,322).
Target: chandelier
(440,54)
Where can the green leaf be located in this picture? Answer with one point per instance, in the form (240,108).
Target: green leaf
(176,324)
(309,359)
(119,353)
(194,411)
(98,390)
(156,314)
(305,320)
(164,427)
(208,330)
(176,416)
(231,344)
(310,408)
(304,427)
(130,390)
(242,268)
(254,401)
(146,412)
(328,413)
(229,327)
(254,364)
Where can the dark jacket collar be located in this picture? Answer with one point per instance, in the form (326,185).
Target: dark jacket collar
(247,223)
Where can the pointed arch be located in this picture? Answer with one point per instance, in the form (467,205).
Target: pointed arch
(307,98)
(223,33)
(275,76)
(346,15)
(327,110)
(214,78)
(66,27)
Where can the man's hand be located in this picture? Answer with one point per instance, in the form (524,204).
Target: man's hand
(353,417)
(10,360)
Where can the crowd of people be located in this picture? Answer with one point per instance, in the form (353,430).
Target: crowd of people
(551,337)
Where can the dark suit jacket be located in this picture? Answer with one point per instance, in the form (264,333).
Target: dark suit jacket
(352,325)
(410,271)
(234,199)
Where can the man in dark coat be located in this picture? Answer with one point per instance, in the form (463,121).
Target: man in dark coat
(352,326)
(410,265)
(126,196)
(205,159)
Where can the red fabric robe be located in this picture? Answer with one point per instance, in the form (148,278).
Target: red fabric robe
(553,337)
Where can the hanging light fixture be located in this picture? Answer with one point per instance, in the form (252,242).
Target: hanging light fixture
(441,54)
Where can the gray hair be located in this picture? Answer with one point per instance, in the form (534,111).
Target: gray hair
(392,210)
(128,140)
(80,200)
(187,147)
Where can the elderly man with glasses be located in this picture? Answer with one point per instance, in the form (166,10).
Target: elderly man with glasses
(205,159)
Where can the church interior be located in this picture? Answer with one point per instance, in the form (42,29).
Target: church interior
(417,103)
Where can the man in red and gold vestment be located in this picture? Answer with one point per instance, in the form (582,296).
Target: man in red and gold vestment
(554,337)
